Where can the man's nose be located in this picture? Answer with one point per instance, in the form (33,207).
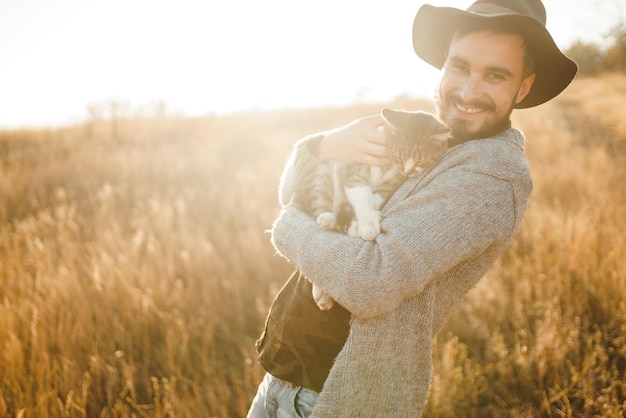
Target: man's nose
(470,90)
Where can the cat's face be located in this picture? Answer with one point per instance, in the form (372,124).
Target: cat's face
(415,139)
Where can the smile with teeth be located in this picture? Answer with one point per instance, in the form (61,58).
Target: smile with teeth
(470,110)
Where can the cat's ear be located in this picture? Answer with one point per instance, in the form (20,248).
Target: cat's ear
(440,132)
(441,137)
(392,117)
(385,114)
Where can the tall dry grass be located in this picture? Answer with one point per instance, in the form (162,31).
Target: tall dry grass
(136,271)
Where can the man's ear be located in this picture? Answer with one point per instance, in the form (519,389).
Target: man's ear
(524,88)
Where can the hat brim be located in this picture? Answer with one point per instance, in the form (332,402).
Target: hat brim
(433,28)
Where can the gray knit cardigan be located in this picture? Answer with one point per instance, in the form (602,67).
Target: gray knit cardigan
(441,232)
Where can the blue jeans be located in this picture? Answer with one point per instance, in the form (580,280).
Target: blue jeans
(277,398)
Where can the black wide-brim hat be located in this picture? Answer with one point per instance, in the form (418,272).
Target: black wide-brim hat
(433,28)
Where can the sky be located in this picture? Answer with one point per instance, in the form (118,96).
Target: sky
(198,57)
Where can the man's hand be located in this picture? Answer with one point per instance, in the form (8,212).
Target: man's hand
(362,141)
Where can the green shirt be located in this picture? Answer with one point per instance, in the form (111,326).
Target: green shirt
(300,341)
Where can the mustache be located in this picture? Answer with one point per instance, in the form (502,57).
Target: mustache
(456,99)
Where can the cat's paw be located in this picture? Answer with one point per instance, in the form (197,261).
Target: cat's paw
(369,232)
(325,304)
(322,299)
(353,229)
(369,228)
(327,220)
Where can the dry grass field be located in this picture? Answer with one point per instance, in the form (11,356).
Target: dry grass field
(136,271)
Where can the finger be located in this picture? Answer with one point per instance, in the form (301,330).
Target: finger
(374,120)
(374,160)
(376,149)
(377,137)
(376,154)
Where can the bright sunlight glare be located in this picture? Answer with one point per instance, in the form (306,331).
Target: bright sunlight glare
(202,57)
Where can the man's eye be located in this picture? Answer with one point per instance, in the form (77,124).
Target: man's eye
(459,67)
(495,76)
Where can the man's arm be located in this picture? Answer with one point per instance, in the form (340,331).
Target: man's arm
(360,141)
(457,216)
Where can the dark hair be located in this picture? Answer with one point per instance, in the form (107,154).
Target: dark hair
(466,26)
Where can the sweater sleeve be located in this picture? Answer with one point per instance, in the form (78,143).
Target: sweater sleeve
(456,216)
(299,168)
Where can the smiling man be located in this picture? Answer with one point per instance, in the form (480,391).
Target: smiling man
(483,78)
(371,354)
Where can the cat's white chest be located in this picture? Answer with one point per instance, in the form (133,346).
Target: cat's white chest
(367,216)
(376,175)
(381,175)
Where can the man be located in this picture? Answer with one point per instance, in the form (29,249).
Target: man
(441,231)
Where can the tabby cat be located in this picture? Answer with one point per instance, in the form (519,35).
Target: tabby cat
(348,196)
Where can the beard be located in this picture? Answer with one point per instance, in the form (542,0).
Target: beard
(460,128)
